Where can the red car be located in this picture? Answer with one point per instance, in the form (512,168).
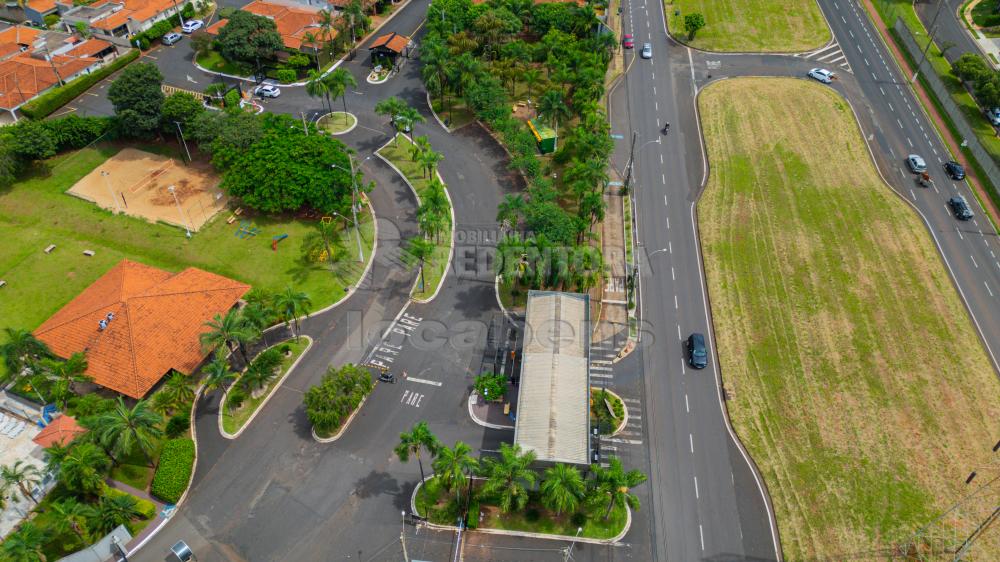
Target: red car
(627,41)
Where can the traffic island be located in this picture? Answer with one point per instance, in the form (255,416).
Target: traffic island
(493,414)
(337,123)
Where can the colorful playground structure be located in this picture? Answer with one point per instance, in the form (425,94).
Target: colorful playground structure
(276,239)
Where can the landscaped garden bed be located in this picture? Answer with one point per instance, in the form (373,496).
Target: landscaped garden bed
(334,401)
(336,123)
(248,393)
(607,410)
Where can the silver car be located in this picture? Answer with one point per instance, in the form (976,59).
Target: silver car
(821,74)
(647,51)
(171,38)
(267,91)
(916,163)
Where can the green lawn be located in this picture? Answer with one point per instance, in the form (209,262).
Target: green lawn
(35,212)
(336,122)
(134,469)
(751,25)
(834,326)
(454,113)
(213,60)
(985,15)
(234,420)
(435,270)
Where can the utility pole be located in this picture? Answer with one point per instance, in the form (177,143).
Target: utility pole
(402,539)
(930,40)
(631,159)
(568,553)
(187,229)
(354,208)
(184,142)
(304,128)
(107,183)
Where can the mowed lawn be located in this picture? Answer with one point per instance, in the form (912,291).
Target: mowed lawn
(36,212)
(782,26)
(860,387)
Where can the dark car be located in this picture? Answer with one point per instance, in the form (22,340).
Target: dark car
(960,208)
(697,356)
(954,170)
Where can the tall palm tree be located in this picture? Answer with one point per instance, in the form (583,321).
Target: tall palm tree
(262,370)
(70,516)
(510,209)
(217,373)
(317,87)
(415,441)
(419,250)
(311,39)
(613,485)
(23,476)
(55,454)
(509,476)
(552,107)
(178,390)
(410,116)
(453,464)
(390,107)
(337,83)
(229,331)
(562,488)
(123,429)
(531,77)
(292,304)
(327,22)
(429,161)
(22,349)
(435,58)
(84,468)
(65,373)
(115,510)
(420,145)
(25,545)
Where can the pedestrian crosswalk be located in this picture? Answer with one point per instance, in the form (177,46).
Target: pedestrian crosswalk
(830,55)
(630,436)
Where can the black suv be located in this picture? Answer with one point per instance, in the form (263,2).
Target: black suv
(954,170)
(697,356)
(960,207)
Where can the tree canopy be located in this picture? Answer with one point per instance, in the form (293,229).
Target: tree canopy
(137,98)
(247,37)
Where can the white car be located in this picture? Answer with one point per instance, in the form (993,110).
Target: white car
(190,26)
(994,116)
(821,74)
(916,163)
(647,51)
(267,91)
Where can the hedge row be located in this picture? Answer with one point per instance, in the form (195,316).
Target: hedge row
(174,471)
(43,106)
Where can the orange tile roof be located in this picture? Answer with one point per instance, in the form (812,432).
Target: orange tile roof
(292,22)
(23,77)
(19,35)
(158,318)
(112,22)
(61,430)
(42,6)
(392,41)
(90,48)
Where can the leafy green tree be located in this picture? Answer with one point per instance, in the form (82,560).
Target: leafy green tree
(115,510)
(552,107)
(180,107)
(123,429)
(248,37)
(201,42)
(339,392)
(32,141)
(509,477)
(291,304)
(90,404)
(137,98)
(228,331)
(337,83)
(562,488)
(261,371)
(453,464)
(23,476)
(613,485)
(531,78)
(25,545)
(434,59)
(70,516)
(414,442)
(491,386)
(22,349)
(428,162)
(510,210)
(65,373)
(418,251)
(323,244)
(692,23)
(55,454)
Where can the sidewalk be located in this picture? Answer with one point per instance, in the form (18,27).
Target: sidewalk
(932,112)
(491,414)
(613,324)
(156,521)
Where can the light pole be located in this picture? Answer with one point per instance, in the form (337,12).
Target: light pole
(184,142)
(107,183)
(402,538)
(187,229)
(930,39)
(354,209)
(631,159)
(569,550)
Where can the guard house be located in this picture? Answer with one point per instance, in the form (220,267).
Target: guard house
(390,46)
(553,413)
(544,136)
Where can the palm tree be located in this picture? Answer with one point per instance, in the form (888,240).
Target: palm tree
(429,161)
(70,516)
(509,211)
(418,251)
(435,58)
(465,71)
(337,83)
(317,87)
(414,442)
(453,464)
(292,304)
(420,145)
(562,488)
(409,116)
(22,349)
(115,510)
(55,454)
(391,107)
(311,39)
(84,468)
(531,77)
(123,429)
(614,485)
(327,21)
(65,373)
(552,107)
(262,370)
(22,476)
(509,477)
(25,545)
(217,373)
(177,390)
(228,330)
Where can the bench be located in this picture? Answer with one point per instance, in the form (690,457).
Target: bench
(49,248)
(88,253)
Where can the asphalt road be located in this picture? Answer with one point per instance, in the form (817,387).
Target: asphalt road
(949,31)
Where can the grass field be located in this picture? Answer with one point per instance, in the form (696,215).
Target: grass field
(337,122)
(751,25)
(860,387)
(35,212)
(435,269)
(234,420)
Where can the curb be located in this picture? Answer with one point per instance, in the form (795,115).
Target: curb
(343,426)
(621,427)
(345,131)
(434,113)
(270,393)
(451,210)
(496,292)
(382,81)
(472,399)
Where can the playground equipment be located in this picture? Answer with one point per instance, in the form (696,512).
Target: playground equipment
(276,239)
(247,230)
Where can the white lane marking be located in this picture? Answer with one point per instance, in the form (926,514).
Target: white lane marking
(653,74)
(663,178)
(661,161)
(691,438)
(956,228)
(908,141)
(668,223)
(998,264)
(624,441)
(850,33)
(874,77)
(701,533)
(675,302)
(900,123)
(654,90)
(696,494)
(974,261)
(423,381)
(901,172)
(679,336)
(687,406)
(881,90)
(914,195)
(602,375)
(868,64)
(891,108)
(672,276)
(859,49)
(670,247)
(845,21)
(683,369)
(988,288)
(656,104)
(835,5)
(664,200)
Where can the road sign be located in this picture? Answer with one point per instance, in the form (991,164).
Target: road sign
(618,137)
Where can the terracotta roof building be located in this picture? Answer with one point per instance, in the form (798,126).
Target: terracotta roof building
(137,323)
(390,43)
(62,431)
(293,21)
(118,20)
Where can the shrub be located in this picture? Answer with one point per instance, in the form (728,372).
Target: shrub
(51,20)
(232,99)
(491,386)
(236,397)
(178,425)
(44,105)
(174,470)
(74,132)
(578,519)
(286,75)
(337,395)
(472,518)
(532,515)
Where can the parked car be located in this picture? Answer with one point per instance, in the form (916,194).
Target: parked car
(916,163)
(994,116)
(190,26)
(171,38)
(647,51)
(628,42)
(960,207)
(267,91)
(697,355)
(954,170)
(821,74)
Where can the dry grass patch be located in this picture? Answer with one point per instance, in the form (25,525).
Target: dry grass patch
(863,392)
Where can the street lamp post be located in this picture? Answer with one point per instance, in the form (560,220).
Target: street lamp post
(631,159)
(107,183)
(187,229)
(354,209)
(569,550)
(183,141)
